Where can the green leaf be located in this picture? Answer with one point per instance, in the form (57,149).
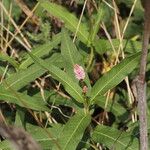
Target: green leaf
(113,107)
(73,131)
(25,76)
(52,97)
(70,20)
(115,139)
(15,13)
(71,57)
(22,100)
(20,117)
(41,50)
(98,18)
(70,54)
(5,145)
(102,46)
(71,87)
(46,137)
(114,76)
(9,59)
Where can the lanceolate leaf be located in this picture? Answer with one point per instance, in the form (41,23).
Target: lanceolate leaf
(73,131)
(71,87)
(46,137)
(115,139)
(102,46)
(71,57)
(41,50)
(22,100)
(113,107)
(71,22)
(25,76)
(114,76)
(10,60)
(70,53)
(98,18)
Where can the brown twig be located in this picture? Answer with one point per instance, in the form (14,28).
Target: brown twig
(141,85)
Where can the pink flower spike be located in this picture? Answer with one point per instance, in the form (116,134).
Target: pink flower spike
(79,72)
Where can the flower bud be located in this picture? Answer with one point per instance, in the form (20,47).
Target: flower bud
(79,72)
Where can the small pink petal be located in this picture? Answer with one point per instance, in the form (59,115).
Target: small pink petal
(79,72)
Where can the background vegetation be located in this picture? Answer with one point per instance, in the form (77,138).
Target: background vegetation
(41,41)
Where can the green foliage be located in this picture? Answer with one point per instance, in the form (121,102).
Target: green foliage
(22,100)
(71,87)
(10,60)
(16,11)
(43,36)
(39,90)
(115,139)
(130,46)
(72,56)
(41,50)
(73,131)
(24,76)
(113,107)
(71,22)
(114,76)
(97,19)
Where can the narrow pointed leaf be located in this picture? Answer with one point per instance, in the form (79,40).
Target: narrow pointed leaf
(98,18)
(115,76)
(46,137)
(113,107)
(22,100)
(115,139)
(41,50)
(9,59)
(71,87)
(101,45)
(73,131)
(70,53)
(71,57)
(70,20)
(24,76)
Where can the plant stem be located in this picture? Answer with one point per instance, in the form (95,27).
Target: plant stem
(90,59)
(141,85)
